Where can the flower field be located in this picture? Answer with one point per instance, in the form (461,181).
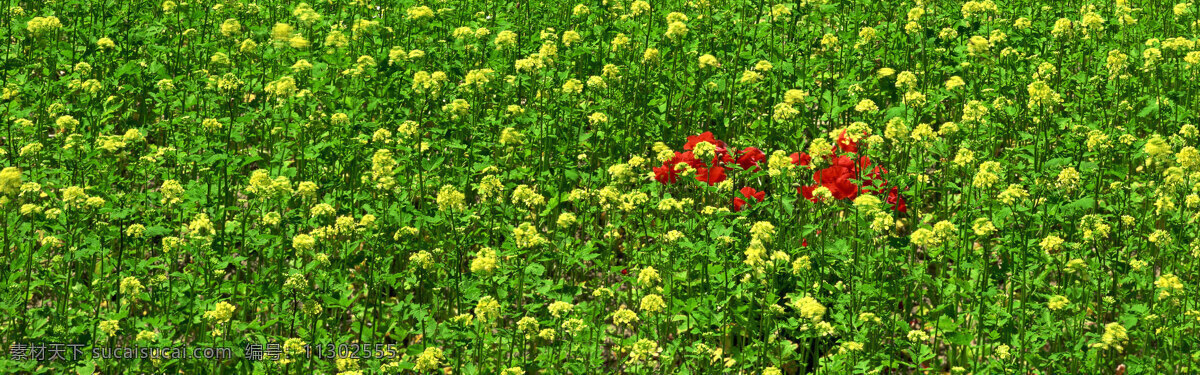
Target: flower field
(601,187)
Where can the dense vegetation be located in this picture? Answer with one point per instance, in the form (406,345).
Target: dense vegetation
(613,186)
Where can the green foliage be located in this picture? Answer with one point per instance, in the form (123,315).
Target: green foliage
(517,187)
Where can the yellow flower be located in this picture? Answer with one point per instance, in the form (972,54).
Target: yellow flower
(565,219)
(131,285)
(504,39)
(624,316)
(231,27)
(917,336)
(221,313)
(450,199)
(419,12)
(762,231)
(1051,244)
(650,56)
(750,76)
(422,259)
(653,303)
(429,359)
(794,96)
(643,351)
(42,25)
(1057,302)
(527,236)
(303,242)
(676,30)
(596,118)
(1113,338)
(1169,282)
(560,308)
(648,276)
(638,7)
(570,37)
(10,181)
(110,327)
(809,308)
(487,309)
(485,261)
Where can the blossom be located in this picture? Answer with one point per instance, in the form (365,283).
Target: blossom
(801,159)
(10,180)
(220,313)
(693,140)
(750,194)
(809,308)
(750,157)
(429,359)
(711,175)
(110,327)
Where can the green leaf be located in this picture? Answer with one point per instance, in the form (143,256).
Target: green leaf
(1081,204)
(535,269)
(87,369)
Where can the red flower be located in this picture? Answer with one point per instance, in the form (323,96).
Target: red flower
(801,159)
(837,178)
(751,193)
(692,140)
(689,159)
(721,158)
(807,192)
(847,162)
(666,174)
(845,144)
(804,243)
(711,175)
(896,200)
(750,157)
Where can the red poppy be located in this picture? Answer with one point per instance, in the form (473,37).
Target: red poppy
(807,192)
(801,159)
(896,200)
(711,175)
(877,174)
(845,144)
(837,178)
(751,193)
(750,157)
(666,174)
(692,140)
(804,243)
(689,159)
(848,162)
(721,158)
(625,271)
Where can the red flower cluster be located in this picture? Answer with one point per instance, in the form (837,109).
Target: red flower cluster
(839,175)
(710,172)
(751,195)
(715,170)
